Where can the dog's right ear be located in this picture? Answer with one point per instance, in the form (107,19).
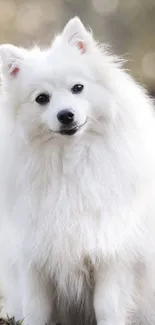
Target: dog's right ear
(76,35)
(11,57)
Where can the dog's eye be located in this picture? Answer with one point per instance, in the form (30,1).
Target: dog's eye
(43,99)
(76,89)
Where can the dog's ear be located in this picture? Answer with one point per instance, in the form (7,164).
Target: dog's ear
(11,57)
(76,34)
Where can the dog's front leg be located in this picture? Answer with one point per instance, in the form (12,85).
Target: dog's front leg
(36,297)
(113,295)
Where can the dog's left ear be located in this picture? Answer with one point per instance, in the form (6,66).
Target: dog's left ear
(76,34)
(11,57)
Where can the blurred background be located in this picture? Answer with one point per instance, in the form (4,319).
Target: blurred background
(127,25)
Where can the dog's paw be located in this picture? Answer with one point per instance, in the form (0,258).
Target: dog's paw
(1,307)
(4,313)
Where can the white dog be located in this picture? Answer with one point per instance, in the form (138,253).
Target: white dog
(77,186)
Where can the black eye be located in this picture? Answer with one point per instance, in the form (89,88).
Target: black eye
(76,89)
(43,99)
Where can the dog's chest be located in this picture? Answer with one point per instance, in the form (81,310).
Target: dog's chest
(67,204)
(68,222)
(65,211)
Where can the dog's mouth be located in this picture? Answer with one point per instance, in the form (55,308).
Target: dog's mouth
(72,130)
(69,131)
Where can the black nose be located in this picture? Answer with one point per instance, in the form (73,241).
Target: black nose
(65,116)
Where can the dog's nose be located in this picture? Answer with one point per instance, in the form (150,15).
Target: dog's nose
(65,116)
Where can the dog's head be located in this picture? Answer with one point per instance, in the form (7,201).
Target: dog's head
(61,91)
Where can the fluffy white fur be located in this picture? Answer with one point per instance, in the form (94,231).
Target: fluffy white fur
(77,213)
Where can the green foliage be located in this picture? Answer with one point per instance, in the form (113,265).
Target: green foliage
(10,321)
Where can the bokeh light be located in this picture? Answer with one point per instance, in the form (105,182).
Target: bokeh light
(105,6)
(8,11)
(148,65)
